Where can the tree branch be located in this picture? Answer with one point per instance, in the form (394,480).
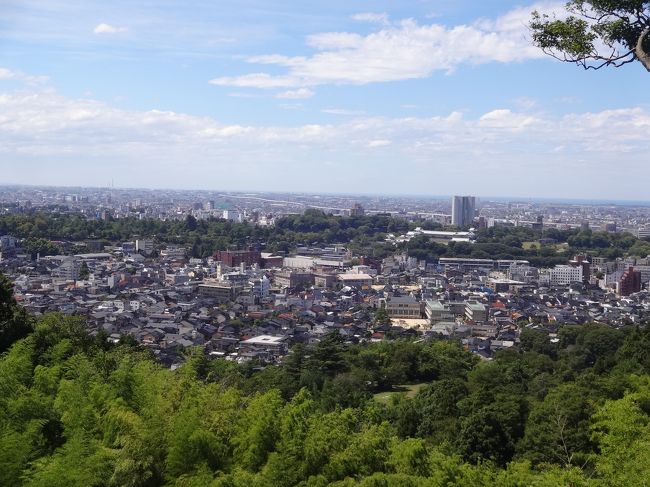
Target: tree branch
(613,60)
(641,54)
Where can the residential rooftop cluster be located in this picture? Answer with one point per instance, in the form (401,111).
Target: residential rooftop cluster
(252,305)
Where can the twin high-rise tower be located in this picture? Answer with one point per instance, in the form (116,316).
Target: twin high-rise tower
(462,210)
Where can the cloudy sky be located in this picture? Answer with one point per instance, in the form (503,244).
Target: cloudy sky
(421,97)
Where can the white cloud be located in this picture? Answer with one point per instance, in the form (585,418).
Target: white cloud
(244,94)
(299,94)
(398,51)
(54,133)
(326,41)
(525,103)
(378,143)
(506,119)
(108,29)
(257,80)
(371,17)
(11,75)
(342,111)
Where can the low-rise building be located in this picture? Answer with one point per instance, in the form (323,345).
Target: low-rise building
(437,311)
(353,279)
(475,311)
(222,292)
(405,307)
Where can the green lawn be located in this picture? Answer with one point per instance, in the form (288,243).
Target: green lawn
(530,245)
(408,390)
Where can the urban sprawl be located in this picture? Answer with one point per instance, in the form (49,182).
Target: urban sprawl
(425,279)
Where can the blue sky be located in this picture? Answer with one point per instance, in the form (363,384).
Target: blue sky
(371,97)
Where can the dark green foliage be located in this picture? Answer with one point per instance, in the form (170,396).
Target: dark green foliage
(39,247)
(14,322)
(591,346)
(203,237)
(84,272)
(537,341)
(365,235)
(557,430)
(76,410)
(490,433)
(507,243)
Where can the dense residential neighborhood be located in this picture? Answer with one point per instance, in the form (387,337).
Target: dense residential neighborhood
(249,304)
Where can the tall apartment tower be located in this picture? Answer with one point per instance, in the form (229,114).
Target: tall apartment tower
(462,210)
(630,282)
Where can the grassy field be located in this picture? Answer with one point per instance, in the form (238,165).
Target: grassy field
(408,390)
(559,247)
(530,245)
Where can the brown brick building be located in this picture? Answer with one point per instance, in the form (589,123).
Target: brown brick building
(233,258)
(630,282)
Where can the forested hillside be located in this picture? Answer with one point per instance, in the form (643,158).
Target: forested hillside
(76,410)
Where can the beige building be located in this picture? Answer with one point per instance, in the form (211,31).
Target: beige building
(353,279)
(404,307)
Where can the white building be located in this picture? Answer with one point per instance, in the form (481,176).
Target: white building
(643,232)
(232,215)
(299,262)
(144,246)
(69,269)
(561,275)
(260,287)
(523,273)
(173,252)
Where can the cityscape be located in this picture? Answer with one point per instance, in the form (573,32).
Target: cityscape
(324,244)
(168,295)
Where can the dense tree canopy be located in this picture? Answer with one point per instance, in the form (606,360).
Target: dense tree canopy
(51,234)
(14,322)
(202,237)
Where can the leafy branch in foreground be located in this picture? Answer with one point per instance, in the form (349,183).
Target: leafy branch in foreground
(596,33)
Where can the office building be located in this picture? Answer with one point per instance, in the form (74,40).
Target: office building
(563,275)
(462,210)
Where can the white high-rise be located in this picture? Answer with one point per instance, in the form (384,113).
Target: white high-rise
(462,210)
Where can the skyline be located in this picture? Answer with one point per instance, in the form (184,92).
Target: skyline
(304,98)
(432,197)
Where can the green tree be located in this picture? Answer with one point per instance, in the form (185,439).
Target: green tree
(328,355)
(381,317)
(438,406)
(557,429)
(84,271)
(257,430)
(286,466)
(491,433)
(622,430)
(596,33)
(14,322)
